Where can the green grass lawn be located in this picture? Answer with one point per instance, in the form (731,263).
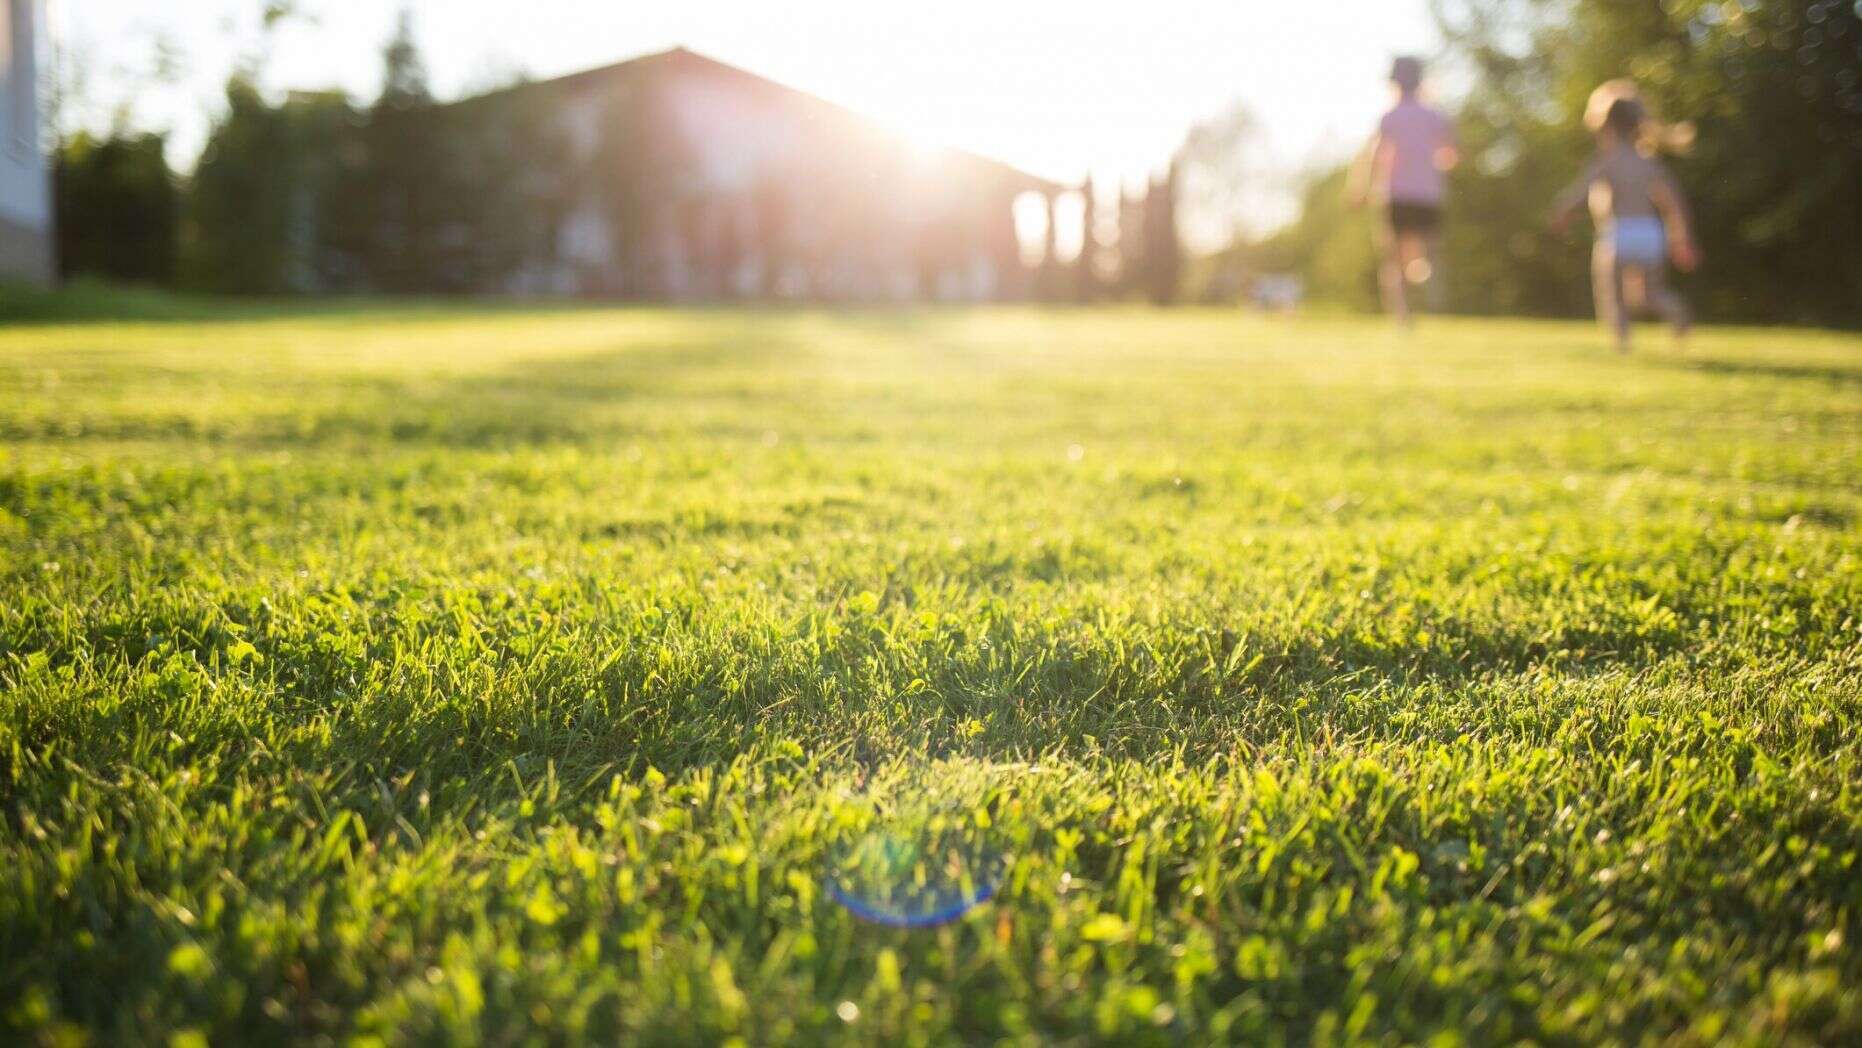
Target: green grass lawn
(446,675)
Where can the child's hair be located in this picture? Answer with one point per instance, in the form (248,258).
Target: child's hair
(1625,117)
(1617,107)
(1406,72)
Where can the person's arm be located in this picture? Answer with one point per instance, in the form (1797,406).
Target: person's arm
(1567,202)
(1671,204)
(1363,169)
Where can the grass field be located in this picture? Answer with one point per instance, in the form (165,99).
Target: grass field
(451,675)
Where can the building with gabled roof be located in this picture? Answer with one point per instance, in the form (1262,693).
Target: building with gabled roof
(680,177)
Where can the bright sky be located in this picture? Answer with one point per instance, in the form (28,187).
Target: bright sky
(1056,87)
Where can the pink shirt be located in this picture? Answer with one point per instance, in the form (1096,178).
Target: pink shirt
(1409,138)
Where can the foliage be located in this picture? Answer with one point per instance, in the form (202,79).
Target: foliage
(266,201)
(1162,262)
(311,194)
(1774,91)
(403,185)
(1220,177)
(446,675)
(117,208)
(1331,246)
(1771,84)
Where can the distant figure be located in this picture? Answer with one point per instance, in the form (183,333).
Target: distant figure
(1405,168)
(1278,292)
(1639,212)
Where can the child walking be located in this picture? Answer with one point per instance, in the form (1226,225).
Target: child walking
(1639,212)
(1405,168)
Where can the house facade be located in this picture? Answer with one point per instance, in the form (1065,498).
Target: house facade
(26,249)
(685,179)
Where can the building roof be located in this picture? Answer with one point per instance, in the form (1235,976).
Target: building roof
(814,107)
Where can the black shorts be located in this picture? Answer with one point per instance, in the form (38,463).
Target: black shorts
(1415,218)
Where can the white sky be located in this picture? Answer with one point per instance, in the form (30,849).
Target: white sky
(1056,87)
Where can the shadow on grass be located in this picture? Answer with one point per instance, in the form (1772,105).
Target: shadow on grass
(566,400)
(91,302)
(557,401)
(1828,374)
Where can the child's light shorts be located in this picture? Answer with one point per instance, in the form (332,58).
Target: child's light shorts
(1639,241)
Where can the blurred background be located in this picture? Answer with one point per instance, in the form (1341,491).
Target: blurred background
(1172,152)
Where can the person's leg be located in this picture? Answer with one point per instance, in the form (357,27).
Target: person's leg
(1606,288)
(1436,284)
(1635,287)
(1413,248)
(1672,307)
(1390,272)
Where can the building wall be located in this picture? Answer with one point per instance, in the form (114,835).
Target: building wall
(767,196)
(25,182)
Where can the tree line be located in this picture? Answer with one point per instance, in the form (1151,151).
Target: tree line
(316,194)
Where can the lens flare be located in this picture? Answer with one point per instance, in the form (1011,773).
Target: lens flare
(902,882)
(916,863)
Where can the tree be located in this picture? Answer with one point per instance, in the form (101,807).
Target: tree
(1330,246)
(269,188)
(238,217)
(1086,276)
(1220,178)
(267,196)
(407,197)
(399,183)
(117,208)
(404,75)
(1163,249)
